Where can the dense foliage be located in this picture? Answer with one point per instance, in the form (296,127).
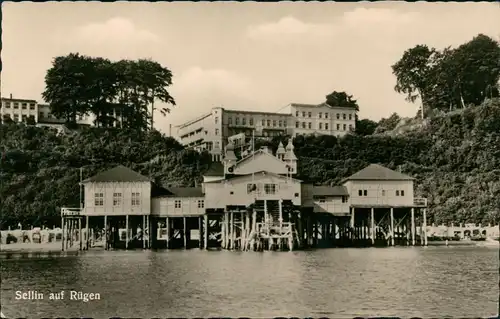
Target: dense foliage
(455,159)
(120,92)
(451,78)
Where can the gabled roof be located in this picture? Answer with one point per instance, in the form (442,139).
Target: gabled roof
(313,190)
(259,173)
(257,152)
(119,173)
(185,191)
(215,169)
(376,172)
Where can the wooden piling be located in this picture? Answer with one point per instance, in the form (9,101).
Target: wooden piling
(184,235)
(392,226)
(105,232)
(167,224)
(126,232)
(372,225)
(425,227)
(87,238)
(143,231)
(413,226)
(62,233)
(206,231)
(80,233)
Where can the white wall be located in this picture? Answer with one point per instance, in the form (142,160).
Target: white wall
(262,162)
(165,206)
(218,194)
(375,192)
(126,208)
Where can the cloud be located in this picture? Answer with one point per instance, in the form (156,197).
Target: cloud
(288,26)
(115,31)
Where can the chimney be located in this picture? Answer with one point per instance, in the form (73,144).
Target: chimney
(11,96)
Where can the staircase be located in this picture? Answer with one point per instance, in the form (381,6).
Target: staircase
(273,211)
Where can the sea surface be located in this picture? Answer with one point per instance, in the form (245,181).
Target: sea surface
(438,282)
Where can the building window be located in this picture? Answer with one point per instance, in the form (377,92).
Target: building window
(397,193)
(42,114)
(326,126)
(216,131)
(23,118)
(117,199)
(136,199)
(268,122)
(402,193)
(360,192)
(7,105)
(32,117)
(365,192)
(99,199)
(303,114)
(217,145)
(320,126)
(201,203)
(178,204)
(308,114)
(16,105)
(320,114)
(338,127)
(383,192)
(338,116)
(350,117)
(270,188)
(345,127)
(237,121)
(326,115)
(274,123)
(344,199)
(251,121)
(309,125)
(216,120)
(303,124)
(297,113)
(297,124)
(16,118)
(230,120)
(32,106)
(350,127)
(322,199)
(280,123)
(24,106)
(343,116)
(244,121)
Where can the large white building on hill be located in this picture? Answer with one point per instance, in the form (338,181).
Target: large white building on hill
(211,130)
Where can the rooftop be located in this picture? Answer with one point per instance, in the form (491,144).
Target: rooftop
(313,190)
(119,173)
(8,99)
(376,172)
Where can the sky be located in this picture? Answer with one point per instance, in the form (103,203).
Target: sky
(243,56)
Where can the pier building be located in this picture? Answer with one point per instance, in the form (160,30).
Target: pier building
(254,202)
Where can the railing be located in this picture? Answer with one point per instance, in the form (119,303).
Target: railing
(420,201)
(67,211)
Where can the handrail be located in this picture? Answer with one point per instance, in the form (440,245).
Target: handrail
(71,211)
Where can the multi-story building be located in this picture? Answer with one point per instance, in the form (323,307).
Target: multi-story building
(21,110)
(252,200)
(208,131)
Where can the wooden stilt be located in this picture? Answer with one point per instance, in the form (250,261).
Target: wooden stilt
(143,231)
(207,230)
(126,232)
(185,233)
(167,224)
(425,227)
(413,226)
(87,238)
(62,234)
(150,229)
(392,226)
(372,226)
(200,232)
(105,239)
(80,237)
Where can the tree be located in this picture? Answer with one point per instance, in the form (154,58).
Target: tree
(120,92)
(365,127)
(341,99)
(412,73)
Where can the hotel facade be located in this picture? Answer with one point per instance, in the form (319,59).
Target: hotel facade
(211,130)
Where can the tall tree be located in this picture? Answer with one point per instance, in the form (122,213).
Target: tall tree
(341,99)
(412,73)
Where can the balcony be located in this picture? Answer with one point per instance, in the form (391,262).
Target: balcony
(420,202)
(66,211)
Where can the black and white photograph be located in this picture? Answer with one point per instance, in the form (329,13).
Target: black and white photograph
(246,159)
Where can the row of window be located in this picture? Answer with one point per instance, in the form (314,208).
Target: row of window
(322,199)
(265,122)
(178,203)
(364,192)
(257,188)
(117,199)
(15,105)
(325,115)
(24,118)
(323,125)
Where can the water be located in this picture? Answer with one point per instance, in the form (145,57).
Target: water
(337,283)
